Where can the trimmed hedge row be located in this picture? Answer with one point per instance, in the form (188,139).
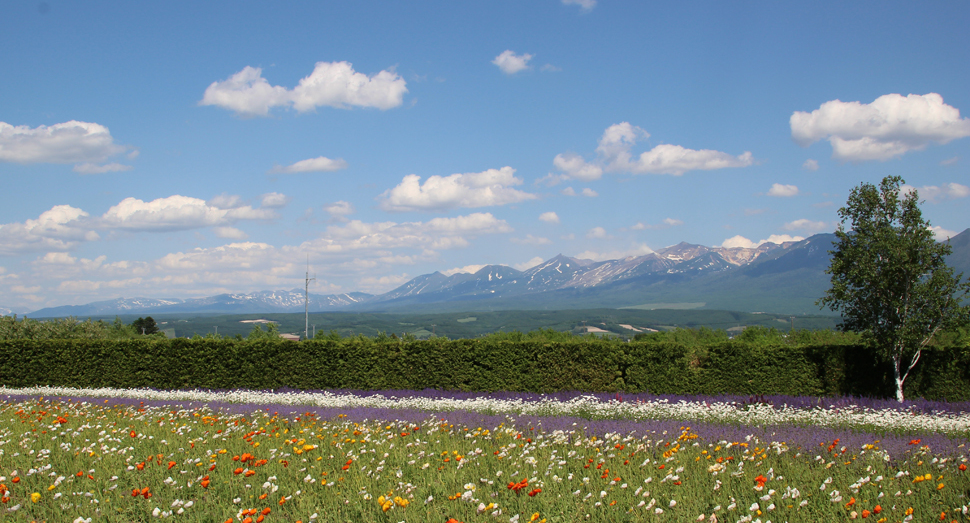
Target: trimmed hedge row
(478,365)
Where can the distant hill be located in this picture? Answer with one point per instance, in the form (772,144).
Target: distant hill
(781,278)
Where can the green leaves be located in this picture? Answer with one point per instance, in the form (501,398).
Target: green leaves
(890,280)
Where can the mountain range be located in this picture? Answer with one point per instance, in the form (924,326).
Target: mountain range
(783,278)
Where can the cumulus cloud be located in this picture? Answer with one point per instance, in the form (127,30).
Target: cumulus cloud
(531,240)
(175,213)
(634,251)
(319,164)
(574,167)
(597,232)
(333,84)
(340,210)
(468,269)
(936,194)
(68,142)
(803,224)
(614,154)
(585,5)
(741,241)
(528,264)
(810,165)
(890,126)
(511,63)
(274,200)
(226,201)
(941,234)
(358,251)
(549,217)
(230,233)
(568,191)
(589,193)
(782,191)
(92,168)
(438,193)
(60,229)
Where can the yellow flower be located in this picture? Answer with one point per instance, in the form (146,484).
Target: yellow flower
(939,487)
(35,497)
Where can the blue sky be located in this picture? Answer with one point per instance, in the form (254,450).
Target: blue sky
(185,149)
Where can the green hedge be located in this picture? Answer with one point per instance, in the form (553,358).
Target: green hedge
(478,365)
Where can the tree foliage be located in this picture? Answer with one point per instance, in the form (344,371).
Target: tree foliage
(890,280)
(63,329)
(145,325)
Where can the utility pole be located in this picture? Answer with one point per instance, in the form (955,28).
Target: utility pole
(792,328)
(314,330)
(306,300)
(432,329)
(215,327)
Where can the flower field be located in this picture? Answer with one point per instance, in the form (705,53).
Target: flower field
(86,455)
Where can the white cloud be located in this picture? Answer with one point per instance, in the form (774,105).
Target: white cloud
(568,191)
(68,142)
(935,194)
(890,126)
(226,201)
(549,217)
(665,223)
(336,84)
(175,213)
(531,240)
(60,229)
(803,224)
(596,232)
(319,164)
(511,63)
(950,161)
(274,200)
(586,5)
(810,165)
(633,251)
(576,168)
(333,84)
(230,233)
(741,241)
(487,188)
(941,234)
(528,264)
(246,93)
(437,233)
(468,269)
(340,210)
(782,191)
(589,193)
(549,68)
(614,155)
(91,168)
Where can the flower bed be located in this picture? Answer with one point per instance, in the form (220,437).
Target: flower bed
(73,454)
